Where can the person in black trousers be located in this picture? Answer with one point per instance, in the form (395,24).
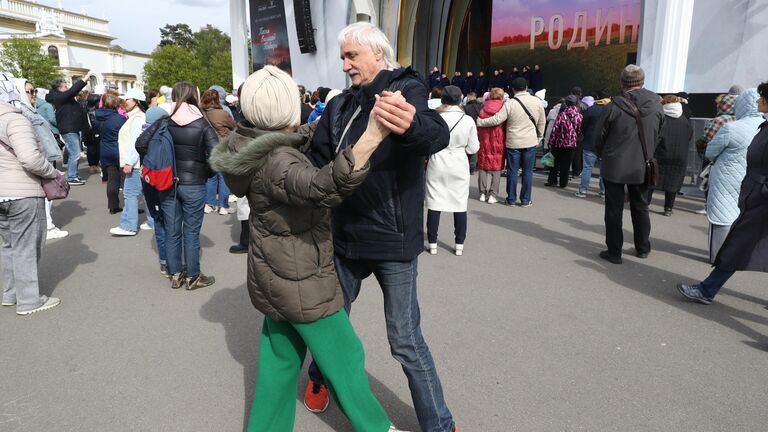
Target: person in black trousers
(624,155)
(563,141)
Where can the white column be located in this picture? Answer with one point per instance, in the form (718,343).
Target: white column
(238,31)
(666,36)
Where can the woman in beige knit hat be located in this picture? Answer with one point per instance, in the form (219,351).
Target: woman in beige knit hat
(291,275)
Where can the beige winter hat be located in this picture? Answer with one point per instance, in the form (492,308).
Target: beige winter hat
(270,99)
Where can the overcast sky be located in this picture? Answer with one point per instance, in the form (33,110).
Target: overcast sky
(136,23)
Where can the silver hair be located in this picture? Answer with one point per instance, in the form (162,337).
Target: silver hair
(369,35)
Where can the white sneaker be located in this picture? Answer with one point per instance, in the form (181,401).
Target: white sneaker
(482,197)
(433,248)
(232,198)
(55,233)
(117,231)
(459,249)
(223,211)
(48,302)
(701,211)
(208,209)
(492,199)
(145,226)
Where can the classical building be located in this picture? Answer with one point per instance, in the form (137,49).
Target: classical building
(80,43)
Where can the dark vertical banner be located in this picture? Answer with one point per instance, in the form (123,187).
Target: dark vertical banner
(269,35)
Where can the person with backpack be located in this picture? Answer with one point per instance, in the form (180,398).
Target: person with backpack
(108,124)
(135,102)
(181,204)
(152,195)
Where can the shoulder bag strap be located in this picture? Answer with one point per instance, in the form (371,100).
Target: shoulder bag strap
(639,122)
(528,113)
(457,123)
(346,128)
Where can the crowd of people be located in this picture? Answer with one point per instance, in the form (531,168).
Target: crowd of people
(372,157)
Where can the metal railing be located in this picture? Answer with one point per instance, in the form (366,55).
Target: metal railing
(33,11)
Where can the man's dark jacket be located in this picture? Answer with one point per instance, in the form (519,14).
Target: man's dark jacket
(482,85)
(589,126)
(469,85)
(473,108)
(384,218)
(69,113)
(618,140)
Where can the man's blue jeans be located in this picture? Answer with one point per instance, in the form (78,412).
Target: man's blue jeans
(710,286)
(590,161)
(72,142)
(516,158)
(182,210)
(216,185)
(129,218)
(402,315)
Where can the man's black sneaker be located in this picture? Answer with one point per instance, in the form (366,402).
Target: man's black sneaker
(115,210)
(77,181)
(200,281)
(610,258)
(642,255)
(692,292)
(238,249)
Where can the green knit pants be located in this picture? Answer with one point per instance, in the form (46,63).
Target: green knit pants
(339,354)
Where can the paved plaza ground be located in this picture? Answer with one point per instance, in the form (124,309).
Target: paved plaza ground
(529,329)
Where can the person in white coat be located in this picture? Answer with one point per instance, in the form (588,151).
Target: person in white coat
(448,171)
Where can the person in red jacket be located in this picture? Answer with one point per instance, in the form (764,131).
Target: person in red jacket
(490,158)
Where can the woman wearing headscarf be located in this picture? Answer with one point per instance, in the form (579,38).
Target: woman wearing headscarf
(45,140)
(291,276)
(563,141)
(22,207)
(448,171)
(135,105)
(108,123)
(728,151)
(490,157)
(746,246)
(672,152)
(217,192)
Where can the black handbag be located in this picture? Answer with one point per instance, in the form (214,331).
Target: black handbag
(651,165)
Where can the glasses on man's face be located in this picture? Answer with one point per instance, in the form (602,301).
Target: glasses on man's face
(32,92)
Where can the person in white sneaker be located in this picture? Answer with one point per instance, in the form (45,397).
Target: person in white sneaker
(22,208)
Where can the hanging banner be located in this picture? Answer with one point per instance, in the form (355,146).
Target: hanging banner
(269,35)
(584,43)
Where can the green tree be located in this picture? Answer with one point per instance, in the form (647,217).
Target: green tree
(213,51)
(179,35)
(24,57)
(170,64)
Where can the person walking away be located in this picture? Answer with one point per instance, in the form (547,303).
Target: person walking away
(728,153)
(135,105)
(108,123)
(89,136)
(525,119)
(672,152)
(22,211)
(152,198)
(448,172)
(291,278)
(490,157)
(69,120)
(182,205)
(379,230)
(217,192)
(47,143)
(625,150)
(563,141)
(746,246)
(589,126)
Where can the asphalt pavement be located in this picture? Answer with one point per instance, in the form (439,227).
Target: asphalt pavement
(530,330)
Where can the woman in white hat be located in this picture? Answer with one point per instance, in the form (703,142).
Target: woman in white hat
(135,106)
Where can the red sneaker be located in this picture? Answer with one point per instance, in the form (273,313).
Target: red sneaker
(316,397)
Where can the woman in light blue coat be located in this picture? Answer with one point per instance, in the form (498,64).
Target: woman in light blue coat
(728,151)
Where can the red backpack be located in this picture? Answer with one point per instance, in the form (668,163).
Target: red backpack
(159,166)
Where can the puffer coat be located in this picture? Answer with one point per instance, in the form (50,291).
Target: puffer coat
(728,150)
(291,275)
(491,154)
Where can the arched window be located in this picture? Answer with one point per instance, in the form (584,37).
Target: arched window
(53,53)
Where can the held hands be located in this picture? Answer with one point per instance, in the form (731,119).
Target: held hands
(394,112)
(127,169)
(376,131)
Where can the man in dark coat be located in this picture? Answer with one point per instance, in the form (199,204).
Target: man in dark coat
(469,84)
(444,81)
(624,163)
(537,79)
(746,247)
(69,120)
(458,80)
(482,84)
(378,230)
(434,78)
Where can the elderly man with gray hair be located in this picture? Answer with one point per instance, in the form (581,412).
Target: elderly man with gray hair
(379,229)
(626,138)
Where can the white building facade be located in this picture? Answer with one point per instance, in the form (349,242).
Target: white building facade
(79,42)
